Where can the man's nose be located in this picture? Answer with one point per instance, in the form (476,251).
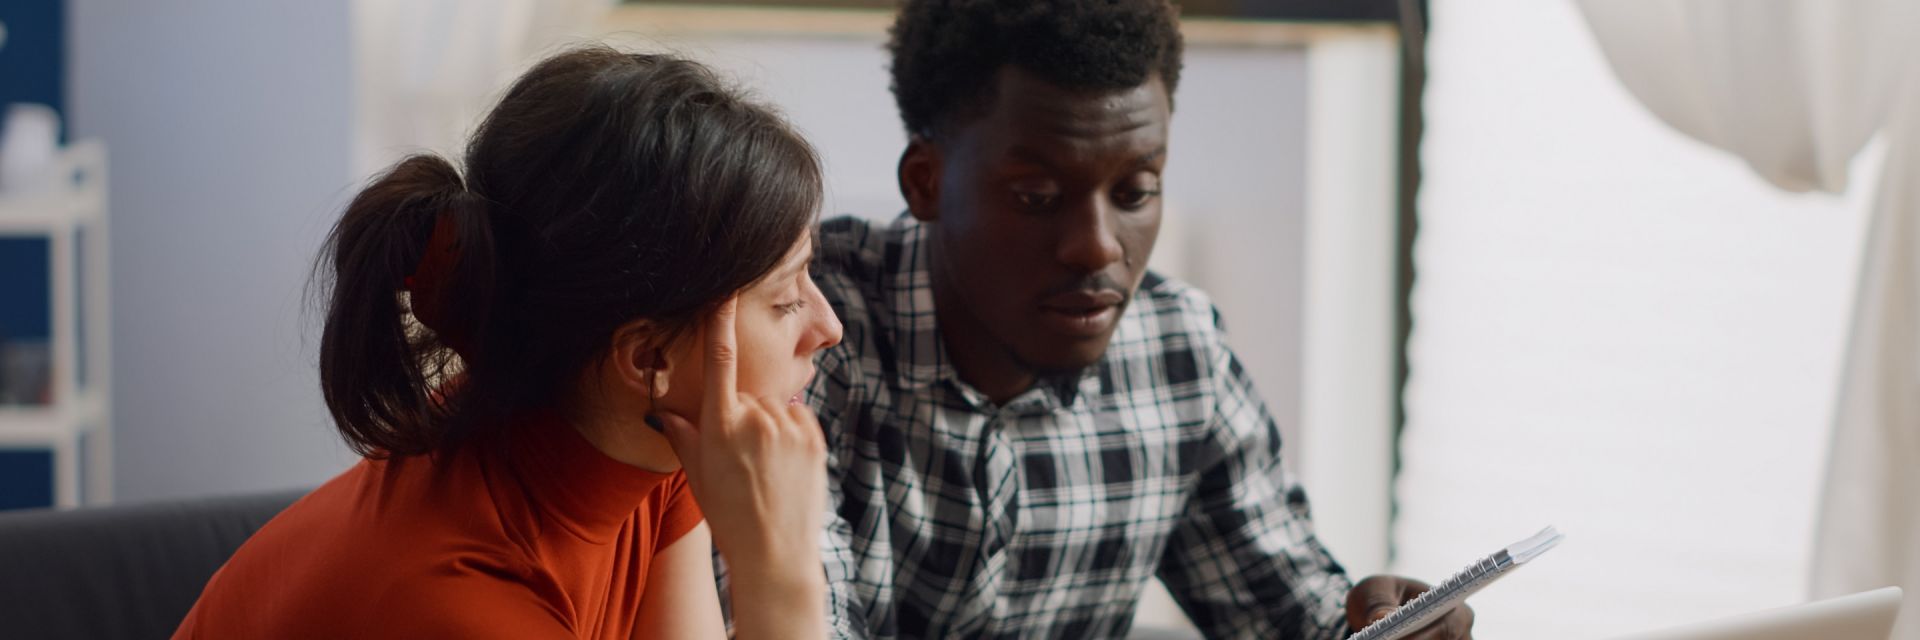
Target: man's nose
(1087,240)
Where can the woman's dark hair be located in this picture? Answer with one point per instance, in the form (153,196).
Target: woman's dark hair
(604,187)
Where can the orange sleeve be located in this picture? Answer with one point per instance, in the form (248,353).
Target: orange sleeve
(679,513)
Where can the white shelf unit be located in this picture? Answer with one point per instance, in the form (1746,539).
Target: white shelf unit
(76,426)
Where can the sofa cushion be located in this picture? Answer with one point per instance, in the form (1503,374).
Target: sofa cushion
(119,572)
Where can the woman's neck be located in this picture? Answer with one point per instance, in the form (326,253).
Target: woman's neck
(622,434)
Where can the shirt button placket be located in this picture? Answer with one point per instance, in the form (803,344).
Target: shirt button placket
(999,489)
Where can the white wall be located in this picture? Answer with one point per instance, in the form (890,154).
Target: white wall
(1615,330)
(1237,179)
(228,127)
(834,90)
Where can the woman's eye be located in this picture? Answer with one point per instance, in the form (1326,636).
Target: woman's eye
(790,308)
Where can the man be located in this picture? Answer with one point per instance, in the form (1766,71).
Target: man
(1024,425)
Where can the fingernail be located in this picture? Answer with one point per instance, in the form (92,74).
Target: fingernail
(654,422)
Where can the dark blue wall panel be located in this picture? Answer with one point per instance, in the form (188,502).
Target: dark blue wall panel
(33,57)
(26,288)
(26,478)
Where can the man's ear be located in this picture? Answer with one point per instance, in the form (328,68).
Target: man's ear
(640,361)
(919,175)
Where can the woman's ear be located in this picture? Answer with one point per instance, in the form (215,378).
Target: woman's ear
(640,361)
(919,176)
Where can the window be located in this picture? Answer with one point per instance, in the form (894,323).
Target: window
(1616,330)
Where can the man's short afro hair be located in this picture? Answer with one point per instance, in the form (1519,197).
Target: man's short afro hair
(946,53)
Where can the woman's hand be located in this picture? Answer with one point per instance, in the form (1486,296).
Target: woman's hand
(758,470)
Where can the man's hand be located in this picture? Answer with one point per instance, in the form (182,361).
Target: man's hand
(1378,596)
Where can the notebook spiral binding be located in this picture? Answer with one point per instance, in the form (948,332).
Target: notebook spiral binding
(1414,613)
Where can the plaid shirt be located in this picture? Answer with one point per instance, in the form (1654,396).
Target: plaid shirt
(1046,516)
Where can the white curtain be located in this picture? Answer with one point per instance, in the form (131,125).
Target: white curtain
(1796,88)
(426,70)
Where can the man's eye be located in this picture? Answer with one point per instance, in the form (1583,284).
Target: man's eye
(1134,198)
(1034,200)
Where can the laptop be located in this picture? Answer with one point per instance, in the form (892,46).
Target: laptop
(1861,616)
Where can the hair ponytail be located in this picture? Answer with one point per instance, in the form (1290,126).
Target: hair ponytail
(377,370)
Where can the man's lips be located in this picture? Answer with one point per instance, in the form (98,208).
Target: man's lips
(1084,314)
(1082,302)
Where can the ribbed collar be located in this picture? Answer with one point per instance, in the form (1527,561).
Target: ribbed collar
(584,490)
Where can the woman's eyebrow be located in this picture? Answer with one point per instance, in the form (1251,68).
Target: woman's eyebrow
(795,268)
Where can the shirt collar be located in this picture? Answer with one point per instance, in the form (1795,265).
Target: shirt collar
(584,490)
(919,354)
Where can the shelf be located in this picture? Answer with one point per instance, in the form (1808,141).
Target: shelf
(76,428)
(40,214)
(70,418)
(80,200)
(42,436)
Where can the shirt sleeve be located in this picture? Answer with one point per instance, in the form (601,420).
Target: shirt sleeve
(679,513)
(1244,562)
(834,394)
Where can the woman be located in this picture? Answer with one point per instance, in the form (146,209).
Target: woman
(614,318)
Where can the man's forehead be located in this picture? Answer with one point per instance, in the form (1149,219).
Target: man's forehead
(1059,153)
(1031,121)
(1054,143)
(1024,100)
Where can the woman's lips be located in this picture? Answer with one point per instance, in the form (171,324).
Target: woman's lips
(799,397)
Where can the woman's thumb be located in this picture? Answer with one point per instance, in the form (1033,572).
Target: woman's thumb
(681,434)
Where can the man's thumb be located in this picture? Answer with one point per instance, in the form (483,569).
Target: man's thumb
(1372,600)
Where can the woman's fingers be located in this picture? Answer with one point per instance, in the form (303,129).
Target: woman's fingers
(756,425)
(722,365)
(801,418)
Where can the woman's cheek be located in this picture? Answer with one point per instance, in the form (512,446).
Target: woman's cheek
(760,358)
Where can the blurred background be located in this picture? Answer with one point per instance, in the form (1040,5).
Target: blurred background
(1640,272)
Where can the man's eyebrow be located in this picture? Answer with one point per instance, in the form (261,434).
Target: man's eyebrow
(1151,157)
(1024,154)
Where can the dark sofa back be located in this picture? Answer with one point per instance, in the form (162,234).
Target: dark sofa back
(118,572)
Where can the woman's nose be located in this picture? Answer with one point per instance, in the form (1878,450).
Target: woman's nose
(826,329)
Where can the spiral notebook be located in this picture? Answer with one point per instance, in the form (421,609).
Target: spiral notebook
(1434,604)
